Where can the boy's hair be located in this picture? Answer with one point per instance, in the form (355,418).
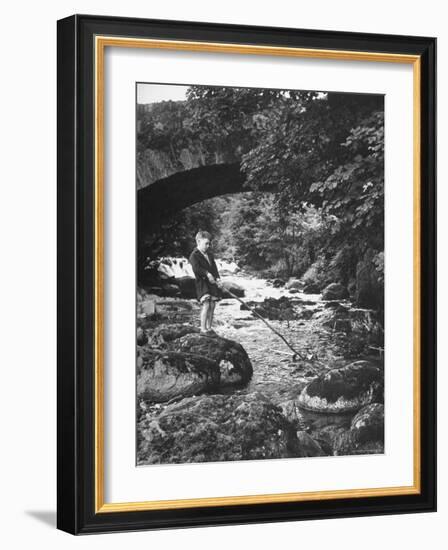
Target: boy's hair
(203,235)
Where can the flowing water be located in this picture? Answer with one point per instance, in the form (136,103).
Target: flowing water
(275,373)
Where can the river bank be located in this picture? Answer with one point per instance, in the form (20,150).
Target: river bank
(325,333)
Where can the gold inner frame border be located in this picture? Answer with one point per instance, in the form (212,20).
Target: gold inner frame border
(101,42)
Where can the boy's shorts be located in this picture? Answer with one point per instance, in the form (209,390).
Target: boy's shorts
(209,297)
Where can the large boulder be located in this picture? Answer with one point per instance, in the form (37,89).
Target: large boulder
(163,334)
(162,376)
(335,291)
(230,357)
(366,434)
(345,389)
(218,428)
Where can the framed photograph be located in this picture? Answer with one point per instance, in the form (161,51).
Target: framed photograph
(246,274)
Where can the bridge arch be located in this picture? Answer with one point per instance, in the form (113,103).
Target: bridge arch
(164,198)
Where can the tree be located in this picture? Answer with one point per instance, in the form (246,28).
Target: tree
(314,166)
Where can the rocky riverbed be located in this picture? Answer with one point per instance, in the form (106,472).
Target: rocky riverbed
(240,394)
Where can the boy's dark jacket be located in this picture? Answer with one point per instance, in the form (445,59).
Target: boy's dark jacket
(201,267)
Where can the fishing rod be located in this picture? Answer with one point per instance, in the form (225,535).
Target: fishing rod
(296,354)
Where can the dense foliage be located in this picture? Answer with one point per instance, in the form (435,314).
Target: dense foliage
(314,166)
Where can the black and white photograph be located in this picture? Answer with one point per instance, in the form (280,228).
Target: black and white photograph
(230,217)
(260,274)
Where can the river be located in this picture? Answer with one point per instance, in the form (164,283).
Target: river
(275,373)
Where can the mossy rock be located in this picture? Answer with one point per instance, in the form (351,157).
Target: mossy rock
(164,375)
(163,334)
(366,434)
(217,428)
(345,389)
(230,356)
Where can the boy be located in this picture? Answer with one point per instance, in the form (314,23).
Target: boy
(207,279)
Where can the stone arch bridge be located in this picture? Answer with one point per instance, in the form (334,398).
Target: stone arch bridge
(163,198)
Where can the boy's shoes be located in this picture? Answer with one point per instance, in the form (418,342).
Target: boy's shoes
(211,332)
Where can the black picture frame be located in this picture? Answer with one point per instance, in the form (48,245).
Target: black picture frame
(76,474)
